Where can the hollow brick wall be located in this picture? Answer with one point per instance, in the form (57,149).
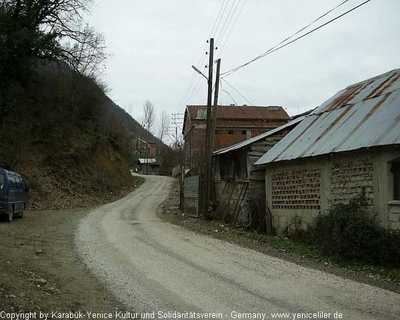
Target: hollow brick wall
(297,189)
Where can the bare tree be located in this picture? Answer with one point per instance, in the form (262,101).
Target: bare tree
(149,115)
(164,124)
(49,30)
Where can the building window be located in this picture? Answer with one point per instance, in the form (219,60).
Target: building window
(230,131)
(216,131)
(201,113)
(396,180)
(244,132)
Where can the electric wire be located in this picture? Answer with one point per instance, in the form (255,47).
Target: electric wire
(227,21)
(223,13)
(299,31)
(230,31)
(281,45)
(227,93)
(237,92)
(192,87)
(218,17)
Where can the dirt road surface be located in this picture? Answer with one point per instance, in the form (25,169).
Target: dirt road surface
(151,265)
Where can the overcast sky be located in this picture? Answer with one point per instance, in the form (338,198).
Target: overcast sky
(153,44)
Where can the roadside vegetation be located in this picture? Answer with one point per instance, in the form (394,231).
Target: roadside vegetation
(351,232)
(359,250)
(283,247)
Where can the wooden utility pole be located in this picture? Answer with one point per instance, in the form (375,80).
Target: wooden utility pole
(207,163)
(215,107)
(210,181)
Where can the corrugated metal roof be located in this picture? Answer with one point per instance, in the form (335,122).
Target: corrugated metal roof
(365,114)
(257,138)
(147,160)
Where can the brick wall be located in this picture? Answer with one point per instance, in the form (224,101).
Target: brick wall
(225,137)
(349,179)
(296,189)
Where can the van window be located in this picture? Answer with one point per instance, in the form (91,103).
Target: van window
(11,182)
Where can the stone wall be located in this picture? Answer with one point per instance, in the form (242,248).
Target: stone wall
(352,178)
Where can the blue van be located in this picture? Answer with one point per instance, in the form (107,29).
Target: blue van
(12,194)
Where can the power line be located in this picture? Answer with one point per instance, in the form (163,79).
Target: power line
(230,31)
(227,20)
(228,94)
(237,91)
(218,17)
(193,83)
(281,45)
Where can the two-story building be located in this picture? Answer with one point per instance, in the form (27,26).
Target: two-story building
(234,124)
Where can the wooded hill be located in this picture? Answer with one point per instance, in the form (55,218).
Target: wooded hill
(73,145)
(58,128)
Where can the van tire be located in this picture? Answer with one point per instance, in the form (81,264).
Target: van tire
(9,217)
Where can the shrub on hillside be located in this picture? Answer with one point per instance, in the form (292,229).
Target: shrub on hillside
(349,230)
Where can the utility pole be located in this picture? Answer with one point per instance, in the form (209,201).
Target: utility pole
(210,194)
(215,107)
(207,163)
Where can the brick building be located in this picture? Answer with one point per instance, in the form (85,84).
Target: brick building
(146,148)
(348,146)
(234,124)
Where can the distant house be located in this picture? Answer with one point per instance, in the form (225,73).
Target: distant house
(348,146)
(152,148)
(146,148)
(148,166)
(234,124)
(239,184)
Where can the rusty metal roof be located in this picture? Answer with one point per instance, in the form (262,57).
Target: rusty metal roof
(366,114)
(258,138)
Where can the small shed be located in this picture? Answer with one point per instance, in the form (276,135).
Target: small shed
(149,166)
(239,184)
(348,146)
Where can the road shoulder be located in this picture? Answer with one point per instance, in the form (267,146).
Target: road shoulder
(40,270)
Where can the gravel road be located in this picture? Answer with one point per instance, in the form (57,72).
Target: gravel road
(151,265)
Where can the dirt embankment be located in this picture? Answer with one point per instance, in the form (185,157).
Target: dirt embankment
(85,177)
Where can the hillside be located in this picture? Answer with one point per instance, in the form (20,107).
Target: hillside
(71,143)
